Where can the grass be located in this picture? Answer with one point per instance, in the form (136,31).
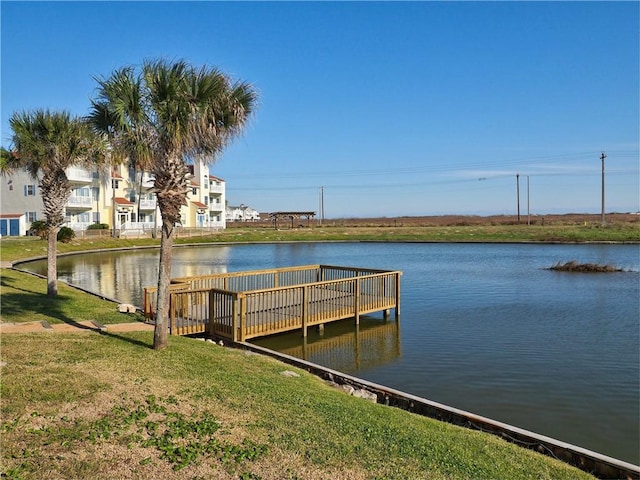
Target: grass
(15,248)
(574,266)
(24,299)
(91,405)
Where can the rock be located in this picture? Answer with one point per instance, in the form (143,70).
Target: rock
(289,373)
(127,308)
(367,395)
(348,389)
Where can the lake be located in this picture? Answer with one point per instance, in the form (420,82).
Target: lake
(484,327)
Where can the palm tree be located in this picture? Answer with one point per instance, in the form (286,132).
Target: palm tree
(46,143)
(160,118)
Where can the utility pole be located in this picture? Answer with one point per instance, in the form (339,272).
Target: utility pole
(518,193)
(321,209)
(528,210)
(602,157)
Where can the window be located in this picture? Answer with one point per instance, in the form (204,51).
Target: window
(115,184)
(31,217)
(194,191)
(29,190)
(96,217)
(206,200)
(82,218)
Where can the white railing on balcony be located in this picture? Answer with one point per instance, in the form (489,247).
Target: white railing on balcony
(148,204)
(148,180)
(216,207)
(80,201)
(78,226)
(213,188)
(75,174)
(137,226)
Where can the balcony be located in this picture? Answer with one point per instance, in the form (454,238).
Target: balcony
(79,202)
(148,180)
(148,204)
(216,207)
(79,175)
(213,188)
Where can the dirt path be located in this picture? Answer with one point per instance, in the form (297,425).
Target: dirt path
(89,326)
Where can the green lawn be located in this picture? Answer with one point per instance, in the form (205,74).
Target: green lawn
(23,299)
(104,406)
(15,248)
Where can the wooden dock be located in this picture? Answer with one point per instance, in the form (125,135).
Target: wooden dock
(244,305)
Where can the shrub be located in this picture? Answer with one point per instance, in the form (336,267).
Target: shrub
(38,228)
(65,235)
(98,226)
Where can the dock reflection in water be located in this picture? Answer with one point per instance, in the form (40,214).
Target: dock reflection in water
(343,345)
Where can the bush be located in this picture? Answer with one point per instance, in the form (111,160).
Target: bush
(38,228)
(65,235)
(98,226)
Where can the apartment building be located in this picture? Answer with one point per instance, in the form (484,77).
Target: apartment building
(121,196)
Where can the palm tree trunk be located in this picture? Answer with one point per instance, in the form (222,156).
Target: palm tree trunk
(160,332)
(52,266)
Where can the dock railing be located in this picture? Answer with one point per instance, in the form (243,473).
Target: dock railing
(245,305)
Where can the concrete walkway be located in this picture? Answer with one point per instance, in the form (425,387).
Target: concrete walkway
(89,326)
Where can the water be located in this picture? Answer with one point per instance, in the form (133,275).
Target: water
(485,328)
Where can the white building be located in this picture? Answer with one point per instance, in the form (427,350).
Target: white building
(242,213)
(122,197)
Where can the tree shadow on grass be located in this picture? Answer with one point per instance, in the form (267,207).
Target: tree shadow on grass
(32,305)
(123,338)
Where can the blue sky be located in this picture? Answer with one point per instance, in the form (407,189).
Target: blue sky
(394,108)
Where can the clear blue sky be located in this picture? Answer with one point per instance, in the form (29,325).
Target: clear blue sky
(395,108)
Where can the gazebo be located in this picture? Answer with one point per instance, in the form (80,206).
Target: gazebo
(275,216)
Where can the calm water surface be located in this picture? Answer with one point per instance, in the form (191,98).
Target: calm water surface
(485,328)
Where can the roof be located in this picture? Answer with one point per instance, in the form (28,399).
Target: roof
(11,215)
(274,214)
(218,179)
(123,201)
(199,205)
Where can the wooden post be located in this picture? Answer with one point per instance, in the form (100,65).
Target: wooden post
(243,317)
(234,318)
(305,296)
(147,306)
(356,301)
(211,313)
(397,295)
(172,313)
